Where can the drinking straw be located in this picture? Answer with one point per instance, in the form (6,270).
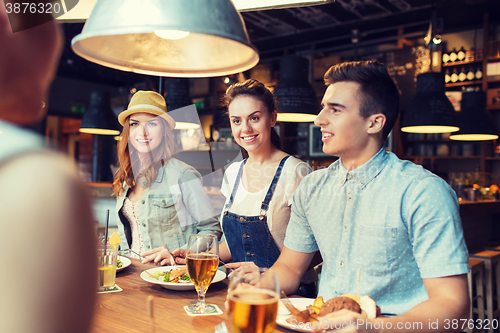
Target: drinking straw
(106,231)
(150,314)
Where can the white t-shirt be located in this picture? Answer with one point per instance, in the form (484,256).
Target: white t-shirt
(248,204)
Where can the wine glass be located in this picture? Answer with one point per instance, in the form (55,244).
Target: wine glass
(253,300)
(202,261)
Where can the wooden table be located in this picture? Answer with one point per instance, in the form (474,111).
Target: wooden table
(126,311)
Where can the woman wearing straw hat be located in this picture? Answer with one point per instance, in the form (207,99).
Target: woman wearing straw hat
(160,200)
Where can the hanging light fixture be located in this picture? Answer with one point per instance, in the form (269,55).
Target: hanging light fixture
(476,123)
(179,104)
(83,8)
(177,38)
(99,117)
(297,101)
(430,111)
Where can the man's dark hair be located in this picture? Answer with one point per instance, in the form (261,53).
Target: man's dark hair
(379,93)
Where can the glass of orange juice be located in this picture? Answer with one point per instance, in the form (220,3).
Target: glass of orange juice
(106,267)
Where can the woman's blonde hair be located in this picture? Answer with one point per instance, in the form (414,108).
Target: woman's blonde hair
(124,174)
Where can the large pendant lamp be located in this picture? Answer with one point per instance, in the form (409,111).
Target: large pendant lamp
(177,38)
(430,111)
(476,123)
(297,100)
(80,11)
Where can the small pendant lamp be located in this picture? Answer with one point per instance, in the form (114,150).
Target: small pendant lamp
(99,117)
(297,100)
(177,38)
(177,99)
(476,123)
(430,111)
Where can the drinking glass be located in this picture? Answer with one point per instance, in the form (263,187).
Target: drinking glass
(106,267)
(202,261)
(253,300)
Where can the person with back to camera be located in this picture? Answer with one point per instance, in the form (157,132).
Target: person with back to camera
(395,221)
(259,189)
(47,252)
(160,200)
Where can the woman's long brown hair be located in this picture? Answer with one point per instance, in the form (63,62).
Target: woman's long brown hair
(124,174)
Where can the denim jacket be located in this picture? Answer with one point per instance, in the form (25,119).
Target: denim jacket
(172,209)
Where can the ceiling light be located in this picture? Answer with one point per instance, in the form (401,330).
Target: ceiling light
(82,10)
(476,124)
(179,104)
(99,117)
(121,34)
(296,98)
(430,111)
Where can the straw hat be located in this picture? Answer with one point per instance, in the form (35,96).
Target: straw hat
(148,102)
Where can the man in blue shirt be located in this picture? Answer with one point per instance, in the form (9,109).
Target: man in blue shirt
(392,220)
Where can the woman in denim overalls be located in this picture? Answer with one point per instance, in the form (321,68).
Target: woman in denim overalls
(259,189)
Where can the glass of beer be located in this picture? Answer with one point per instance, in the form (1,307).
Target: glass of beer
(106,267)
(253,300)
(202,260)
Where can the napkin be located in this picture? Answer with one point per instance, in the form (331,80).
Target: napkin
(114,290)
(217,311)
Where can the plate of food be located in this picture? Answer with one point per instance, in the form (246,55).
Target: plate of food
(174,277)
(315,308)
(122,263)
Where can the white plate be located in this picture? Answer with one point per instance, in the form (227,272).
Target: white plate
(283,314)
(219,276)
(125,261)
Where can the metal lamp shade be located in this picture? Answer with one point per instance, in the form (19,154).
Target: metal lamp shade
(297,101)
(99,117)
(476,124)
(430,111)
(121,34)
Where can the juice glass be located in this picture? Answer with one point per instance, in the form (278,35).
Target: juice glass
(106,267)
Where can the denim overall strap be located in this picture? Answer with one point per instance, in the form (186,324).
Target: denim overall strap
(249,237)
(235,186)
(265,204)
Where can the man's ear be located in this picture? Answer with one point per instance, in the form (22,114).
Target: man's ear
(376,123)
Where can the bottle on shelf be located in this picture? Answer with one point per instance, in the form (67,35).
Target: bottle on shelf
(454,76)
(462,76)
(461,54)
(470,74)
(479,73)
(453,55)
(447,77)
(446,57)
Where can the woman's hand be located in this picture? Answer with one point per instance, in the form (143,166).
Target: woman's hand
(244,267)
(159,256)
(180,256)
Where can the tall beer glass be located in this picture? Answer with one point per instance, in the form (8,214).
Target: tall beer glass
(202,262)
(253,301)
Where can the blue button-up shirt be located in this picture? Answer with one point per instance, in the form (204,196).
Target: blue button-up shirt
(393,219)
